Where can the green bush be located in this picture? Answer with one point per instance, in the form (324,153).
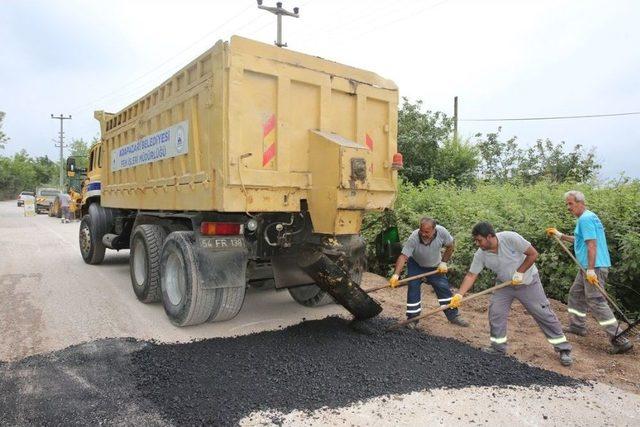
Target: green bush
(527,210)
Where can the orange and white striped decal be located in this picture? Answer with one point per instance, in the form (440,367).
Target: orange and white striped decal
(269,140)
(369,142)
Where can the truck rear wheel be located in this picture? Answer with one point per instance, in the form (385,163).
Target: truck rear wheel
(144,262)
(310,296)
(184,297)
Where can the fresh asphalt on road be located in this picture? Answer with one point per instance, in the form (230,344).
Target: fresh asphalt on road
(78,348)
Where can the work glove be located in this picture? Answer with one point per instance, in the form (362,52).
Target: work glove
(552,231)
(455,302)
(393,282)
(592,278)
(442,268)
(517,278)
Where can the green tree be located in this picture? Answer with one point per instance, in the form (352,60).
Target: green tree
(457,162)
(17,174)
(420,135)
(505,161)
(80,150)
(3,137)
(47,171)
(546,160)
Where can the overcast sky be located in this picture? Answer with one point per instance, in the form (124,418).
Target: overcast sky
(503,59)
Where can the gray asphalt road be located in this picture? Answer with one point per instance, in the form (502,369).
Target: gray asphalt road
(50,300)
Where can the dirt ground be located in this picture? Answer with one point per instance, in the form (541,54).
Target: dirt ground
(526,342)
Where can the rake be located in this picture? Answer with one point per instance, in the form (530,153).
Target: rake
(633,327)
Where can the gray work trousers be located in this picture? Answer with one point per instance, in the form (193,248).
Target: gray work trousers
(583,296)
(534,300)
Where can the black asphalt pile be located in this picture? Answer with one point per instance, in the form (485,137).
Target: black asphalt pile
(325,363)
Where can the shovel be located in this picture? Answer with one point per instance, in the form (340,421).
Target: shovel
(630,325)
(444,307)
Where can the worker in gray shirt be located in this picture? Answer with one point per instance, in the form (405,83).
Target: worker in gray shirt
(423,252)
(512,258)
(65,202)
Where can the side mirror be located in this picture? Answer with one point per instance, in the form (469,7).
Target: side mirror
(71,164)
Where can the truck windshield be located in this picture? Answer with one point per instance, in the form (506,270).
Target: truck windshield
(49,192)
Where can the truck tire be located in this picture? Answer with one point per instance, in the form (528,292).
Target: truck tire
(144,261)
(228,303)
(310,296)
(93,226)
(184,298)
(313,296)
(91,250)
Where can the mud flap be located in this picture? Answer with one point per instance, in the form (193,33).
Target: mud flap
(221,268)
(333,280)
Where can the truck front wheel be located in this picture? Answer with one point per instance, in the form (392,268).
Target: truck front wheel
(92,227)
(92,250)
(144,261)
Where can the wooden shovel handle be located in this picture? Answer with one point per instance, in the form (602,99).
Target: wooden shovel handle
(444,307)
(403,281)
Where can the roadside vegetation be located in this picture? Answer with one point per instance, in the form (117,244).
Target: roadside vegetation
(24,172)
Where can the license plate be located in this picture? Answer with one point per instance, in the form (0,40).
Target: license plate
(221,242)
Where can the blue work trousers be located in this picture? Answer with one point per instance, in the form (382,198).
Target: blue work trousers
(440,286)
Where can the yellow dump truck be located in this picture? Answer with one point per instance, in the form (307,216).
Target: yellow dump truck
(252,163)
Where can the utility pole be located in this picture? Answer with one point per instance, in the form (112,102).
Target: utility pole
(62,118)
(279,11)
(455,118)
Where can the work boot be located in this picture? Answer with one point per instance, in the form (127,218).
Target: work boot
(458,320)
(565,358)
(620,345)
(575,331)
(493,351)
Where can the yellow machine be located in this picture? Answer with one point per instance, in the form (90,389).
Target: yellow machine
(243,167)
(84,186)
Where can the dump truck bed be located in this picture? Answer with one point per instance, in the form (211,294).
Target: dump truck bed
(252,127)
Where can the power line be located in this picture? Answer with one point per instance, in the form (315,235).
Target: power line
(585,116)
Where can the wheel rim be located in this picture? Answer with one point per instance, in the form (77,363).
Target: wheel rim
(85,239)
(139,262)
(174,278)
